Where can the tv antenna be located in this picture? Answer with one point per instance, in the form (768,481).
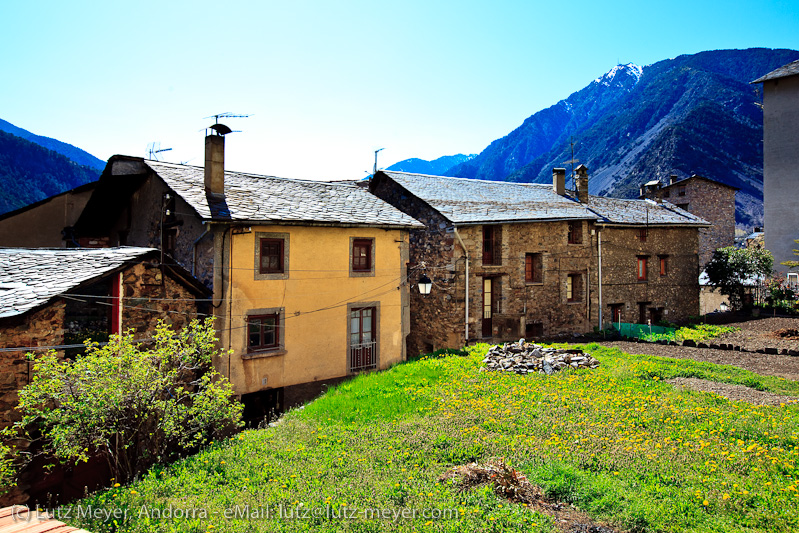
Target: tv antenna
(572,161)
(153,149)
(221,129)
(376,151)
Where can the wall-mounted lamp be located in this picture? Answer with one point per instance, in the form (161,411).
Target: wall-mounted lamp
(723,307)
(425,284)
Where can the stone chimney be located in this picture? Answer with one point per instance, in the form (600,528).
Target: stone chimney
(673,179)
(215,164)
(559,181)
(581,183)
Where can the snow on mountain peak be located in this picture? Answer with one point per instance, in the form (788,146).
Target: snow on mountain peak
(630,68)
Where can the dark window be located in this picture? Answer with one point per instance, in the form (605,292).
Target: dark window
(271,256)
(683,206)
(616,312)
(533,330)
(491,245)
(263,332)
(533,268)
(666,194)
(681,190)
(641,270)
(642,233)
(575,233)
(574,288)
(362,255)
(664,265)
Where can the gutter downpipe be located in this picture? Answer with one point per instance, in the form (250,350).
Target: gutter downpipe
(466,252)
(599,253)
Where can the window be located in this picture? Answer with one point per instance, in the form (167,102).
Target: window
(363,330)
(491,245)
(263,332)
(641,271)
(574,288)
(533,268)
(271,255)
(683,206)
(616,311)
(642,233)
(681,190)
(793,280)
(575,235)
(664,265)
(362,256)
(666,193)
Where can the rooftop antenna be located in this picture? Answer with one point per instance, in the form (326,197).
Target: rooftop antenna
(221,129)
(153,149)
(376,151)
(572,161)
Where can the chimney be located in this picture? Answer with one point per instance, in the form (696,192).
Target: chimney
(559,181)
(215,164)
(673,179)
(581,184)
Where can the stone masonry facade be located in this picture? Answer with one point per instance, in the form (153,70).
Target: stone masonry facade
(713,201)
(670,294)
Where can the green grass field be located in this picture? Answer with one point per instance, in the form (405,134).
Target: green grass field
(616,442)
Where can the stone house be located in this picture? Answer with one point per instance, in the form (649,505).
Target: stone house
(308,276)
(512,260)
(709,199)
(58,298)
(781,165)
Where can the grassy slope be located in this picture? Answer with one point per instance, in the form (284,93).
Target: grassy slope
(616,441)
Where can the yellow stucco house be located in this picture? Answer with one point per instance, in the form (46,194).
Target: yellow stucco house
(310,278)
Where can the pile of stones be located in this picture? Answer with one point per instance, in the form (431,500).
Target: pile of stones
(526,358)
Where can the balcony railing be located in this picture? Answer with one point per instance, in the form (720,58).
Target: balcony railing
(363,356)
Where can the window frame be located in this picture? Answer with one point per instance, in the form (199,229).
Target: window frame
(574,287)
(574,232)
(269,241)
(663,261)
(492,235)
(260,237)
(262,347)
(361,242)
(643,233)
(531,260)
(375,325)
(642,274)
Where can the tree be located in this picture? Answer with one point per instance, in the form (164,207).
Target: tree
(731,269)
(132,405)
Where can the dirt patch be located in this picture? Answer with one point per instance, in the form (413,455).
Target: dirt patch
(514,486)
(759,333)
(733,392)
(786,333)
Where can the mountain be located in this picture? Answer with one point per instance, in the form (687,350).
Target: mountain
(75,154)
(694,114)
(436,167)
(29,173)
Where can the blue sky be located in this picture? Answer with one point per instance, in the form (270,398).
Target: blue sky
(327,83)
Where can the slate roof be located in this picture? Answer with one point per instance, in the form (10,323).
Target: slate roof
(791,69)
(465,201)
(255,198)
(622,211)
(29,277)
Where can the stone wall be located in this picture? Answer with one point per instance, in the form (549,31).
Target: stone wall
(676,294)
(42,327)
(712,201)
(147,299)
